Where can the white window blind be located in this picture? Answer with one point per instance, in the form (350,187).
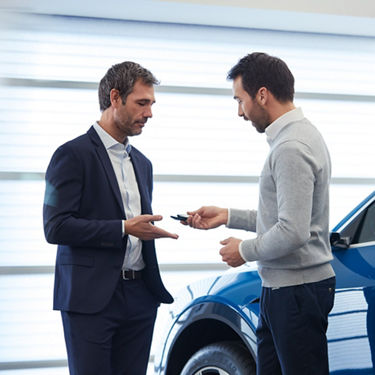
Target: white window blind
(201,151)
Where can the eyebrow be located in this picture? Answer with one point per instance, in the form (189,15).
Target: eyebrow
(146,100)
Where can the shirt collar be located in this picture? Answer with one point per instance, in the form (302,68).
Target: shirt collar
(109,141)
(274,129)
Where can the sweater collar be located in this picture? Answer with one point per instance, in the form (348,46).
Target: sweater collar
(275,128)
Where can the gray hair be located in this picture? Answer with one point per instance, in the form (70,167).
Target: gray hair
(123,77)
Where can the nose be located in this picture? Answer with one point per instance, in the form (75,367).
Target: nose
(240,111)
(148,112)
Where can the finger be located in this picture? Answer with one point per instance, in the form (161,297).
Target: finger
(225,260)
(148,218)
(169,235)
(172,235)
(222,252)
(189,221)
(191,213)
(161,233)
(197,221)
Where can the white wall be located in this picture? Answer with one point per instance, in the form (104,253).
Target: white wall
(333,16)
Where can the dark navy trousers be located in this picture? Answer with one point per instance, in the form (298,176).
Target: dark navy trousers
(117,340)
(292,328)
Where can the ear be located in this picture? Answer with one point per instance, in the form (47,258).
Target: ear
(115,97)
(262,96)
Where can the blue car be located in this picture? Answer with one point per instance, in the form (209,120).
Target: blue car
(213,321)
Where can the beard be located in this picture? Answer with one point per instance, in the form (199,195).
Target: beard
(260,118)
(130,127)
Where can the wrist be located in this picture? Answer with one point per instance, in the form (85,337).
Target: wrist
(127,227)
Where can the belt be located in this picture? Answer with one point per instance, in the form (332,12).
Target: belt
(131,275)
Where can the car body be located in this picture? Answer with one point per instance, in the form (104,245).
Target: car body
(212,322)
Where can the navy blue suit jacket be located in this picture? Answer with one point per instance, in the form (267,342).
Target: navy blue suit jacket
(83,214)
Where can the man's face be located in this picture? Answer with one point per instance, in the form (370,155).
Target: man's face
(131,117)
(250,109)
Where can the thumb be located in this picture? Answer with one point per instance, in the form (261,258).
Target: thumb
(224,242)
(199,211)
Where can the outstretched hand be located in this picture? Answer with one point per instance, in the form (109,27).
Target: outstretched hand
(207,217)
(142,227)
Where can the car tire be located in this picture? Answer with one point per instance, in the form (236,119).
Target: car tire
(223,358)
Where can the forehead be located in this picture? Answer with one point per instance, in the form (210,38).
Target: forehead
(237,85)
(238,90)
(143,91)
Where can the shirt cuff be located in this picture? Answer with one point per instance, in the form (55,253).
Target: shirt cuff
(123,228)
(228,220)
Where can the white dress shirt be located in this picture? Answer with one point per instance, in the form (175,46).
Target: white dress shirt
(124,171)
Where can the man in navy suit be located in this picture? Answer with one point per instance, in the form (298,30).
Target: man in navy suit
(98,210)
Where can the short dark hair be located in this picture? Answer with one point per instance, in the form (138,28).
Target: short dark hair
(261,70)
(122,77)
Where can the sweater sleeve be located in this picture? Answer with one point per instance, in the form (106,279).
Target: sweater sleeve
(242,219)
(293,171)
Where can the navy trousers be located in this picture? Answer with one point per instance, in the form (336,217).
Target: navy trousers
(117,340)
(292,328)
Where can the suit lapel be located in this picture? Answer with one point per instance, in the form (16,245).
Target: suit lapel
(107,165)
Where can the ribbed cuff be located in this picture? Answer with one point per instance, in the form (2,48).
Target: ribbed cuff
(240,251)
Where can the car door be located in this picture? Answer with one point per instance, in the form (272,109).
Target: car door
(351,329)
(353,245)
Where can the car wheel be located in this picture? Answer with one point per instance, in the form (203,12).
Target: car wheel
(223,358)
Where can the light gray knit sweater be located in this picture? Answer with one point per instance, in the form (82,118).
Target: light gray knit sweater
(292,220)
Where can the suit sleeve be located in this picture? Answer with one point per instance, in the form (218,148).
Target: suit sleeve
(63,221)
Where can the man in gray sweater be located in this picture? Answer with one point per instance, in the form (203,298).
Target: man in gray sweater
(292,244)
